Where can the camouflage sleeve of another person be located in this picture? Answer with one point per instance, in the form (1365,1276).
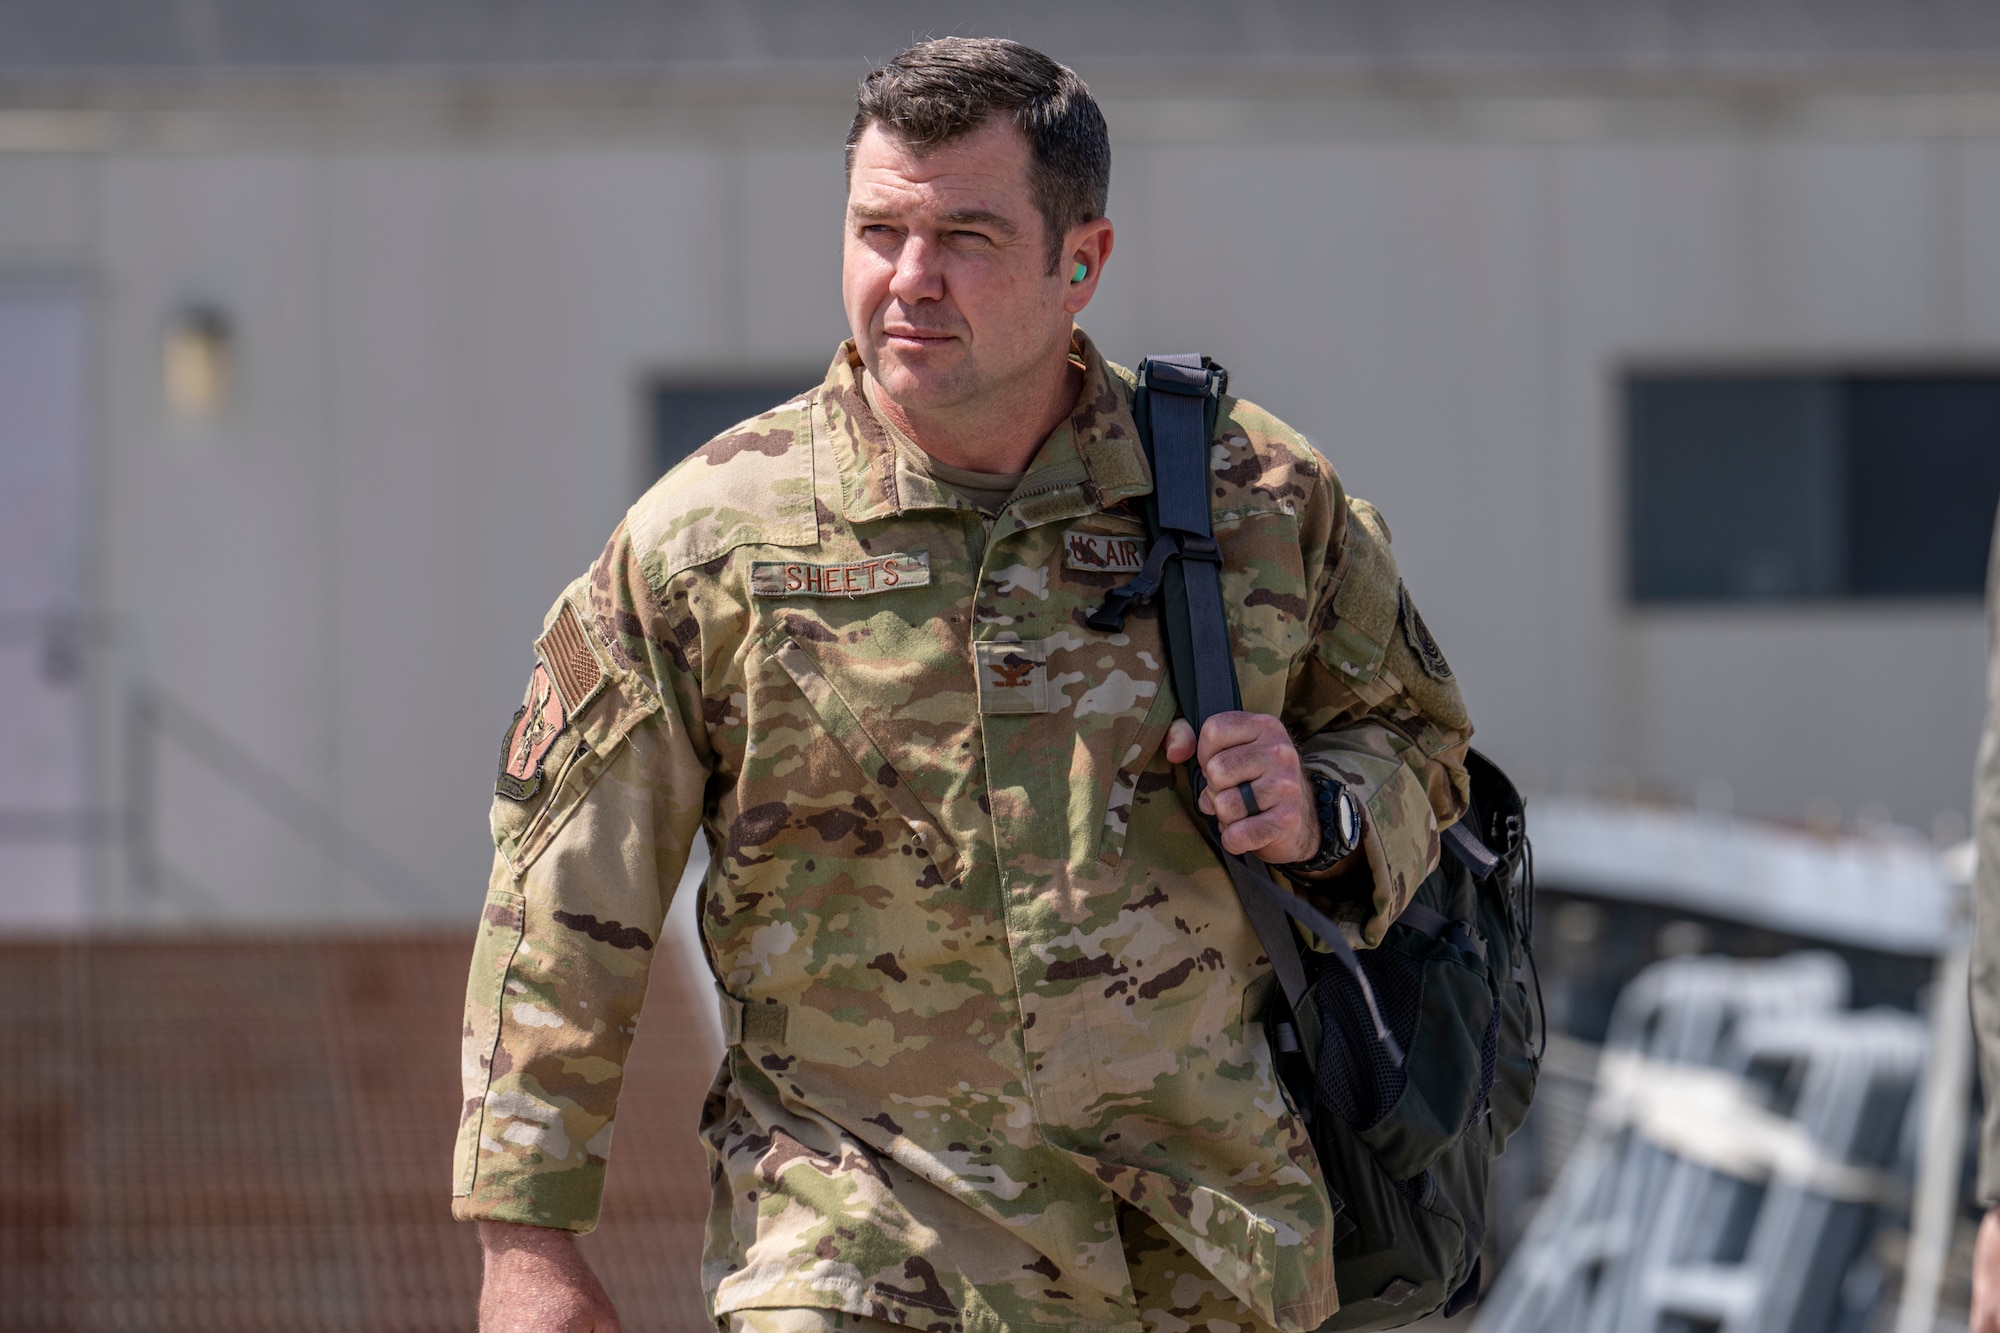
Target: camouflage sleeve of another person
(1374,704)
(599,795)
(1986,897)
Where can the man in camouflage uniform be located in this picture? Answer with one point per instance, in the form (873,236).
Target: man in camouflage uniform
(992,1006)
(1985,978)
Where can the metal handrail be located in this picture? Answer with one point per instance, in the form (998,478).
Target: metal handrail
(151,718)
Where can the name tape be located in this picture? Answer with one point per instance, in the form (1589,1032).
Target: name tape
(1104,553)
(855,578)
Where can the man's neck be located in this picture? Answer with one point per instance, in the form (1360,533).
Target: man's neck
(1000,437)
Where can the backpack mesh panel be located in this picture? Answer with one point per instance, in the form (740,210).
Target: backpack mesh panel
(1489,1065)
(1356,1077)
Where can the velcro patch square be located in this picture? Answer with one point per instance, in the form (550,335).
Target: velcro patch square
(1013,677)
(853,578)
(1104,553)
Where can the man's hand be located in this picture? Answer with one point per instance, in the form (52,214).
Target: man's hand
(537,1282)
(1236,748)
(1986,1275)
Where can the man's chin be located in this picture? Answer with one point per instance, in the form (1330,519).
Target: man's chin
(926,380)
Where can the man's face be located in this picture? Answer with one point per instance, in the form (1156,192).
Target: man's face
(945,270)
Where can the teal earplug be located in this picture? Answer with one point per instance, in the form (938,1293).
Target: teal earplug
(1081,271)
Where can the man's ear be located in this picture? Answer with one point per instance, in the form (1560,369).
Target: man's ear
(1085,250)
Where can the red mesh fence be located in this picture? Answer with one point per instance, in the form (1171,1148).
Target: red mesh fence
(229,1134)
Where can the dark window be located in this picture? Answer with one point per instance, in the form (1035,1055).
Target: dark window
(1791,487)
(685,416)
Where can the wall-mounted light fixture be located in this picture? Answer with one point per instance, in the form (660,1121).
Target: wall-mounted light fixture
(197,362)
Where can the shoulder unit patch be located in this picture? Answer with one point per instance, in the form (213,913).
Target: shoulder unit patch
(1418,635)
(534,729)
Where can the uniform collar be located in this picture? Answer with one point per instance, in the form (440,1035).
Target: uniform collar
(1091,461)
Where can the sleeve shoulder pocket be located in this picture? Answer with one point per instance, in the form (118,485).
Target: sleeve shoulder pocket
(579,710)
(1355,636)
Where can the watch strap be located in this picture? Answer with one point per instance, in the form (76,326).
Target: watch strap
(1336,838)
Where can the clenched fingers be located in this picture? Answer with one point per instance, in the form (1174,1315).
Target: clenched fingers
(1251,754)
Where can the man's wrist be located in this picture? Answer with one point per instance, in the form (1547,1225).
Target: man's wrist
(1339,817)
(503,1237)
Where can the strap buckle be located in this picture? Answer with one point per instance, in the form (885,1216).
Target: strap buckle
(1109,617)
(1190,376)
(1199,546)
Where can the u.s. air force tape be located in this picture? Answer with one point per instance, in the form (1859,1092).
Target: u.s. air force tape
(853,578)
(1104,552)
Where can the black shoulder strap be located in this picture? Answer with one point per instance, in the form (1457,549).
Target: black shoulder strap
(1176,406)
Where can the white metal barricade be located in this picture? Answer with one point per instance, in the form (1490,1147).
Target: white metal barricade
(1743,1127)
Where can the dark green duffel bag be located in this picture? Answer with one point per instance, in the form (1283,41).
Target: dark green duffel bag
(1407,1147)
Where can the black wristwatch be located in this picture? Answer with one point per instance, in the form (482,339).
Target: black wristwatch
(1339,825)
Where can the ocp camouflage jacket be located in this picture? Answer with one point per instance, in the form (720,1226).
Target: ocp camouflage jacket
(981,975)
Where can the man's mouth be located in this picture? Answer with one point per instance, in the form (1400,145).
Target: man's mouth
(925,337)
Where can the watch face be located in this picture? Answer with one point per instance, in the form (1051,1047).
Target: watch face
(1350,820)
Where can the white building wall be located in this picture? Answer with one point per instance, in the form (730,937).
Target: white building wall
(445,325)
(45,787)
(1448,317)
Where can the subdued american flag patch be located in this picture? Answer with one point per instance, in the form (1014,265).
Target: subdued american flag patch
(566,650)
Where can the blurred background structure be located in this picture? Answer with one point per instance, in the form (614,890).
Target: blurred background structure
(334,339)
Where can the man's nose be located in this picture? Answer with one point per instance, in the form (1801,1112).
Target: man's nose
(918,276)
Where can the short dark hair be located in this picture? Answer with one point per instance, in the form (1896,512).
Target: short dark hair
(946,88)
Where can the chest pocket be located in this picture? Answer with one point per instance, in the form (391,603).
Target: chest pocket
(838,720)
(1072,716)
